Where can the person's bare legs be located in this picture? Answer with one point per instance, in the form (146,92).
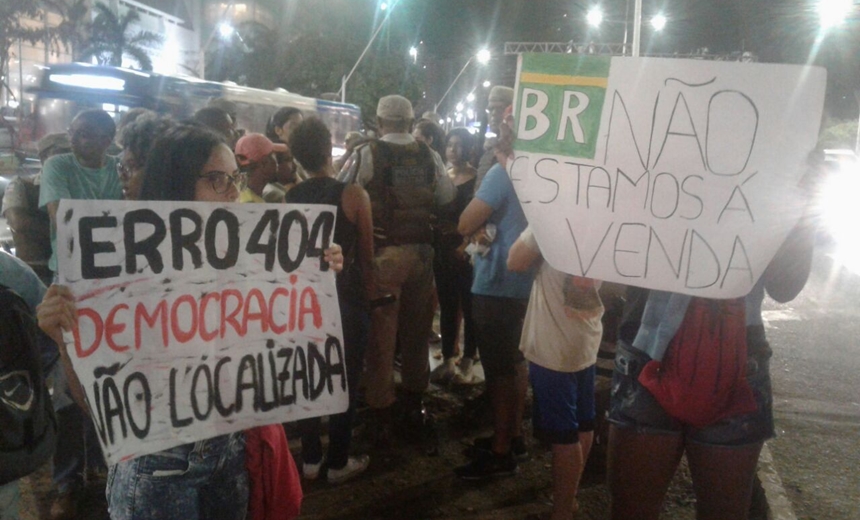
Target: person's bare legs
(568,461)
(722,479)
(640,467)
(508,397)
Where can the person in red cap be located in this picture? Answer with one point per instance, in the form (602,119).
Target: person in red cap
(255,154)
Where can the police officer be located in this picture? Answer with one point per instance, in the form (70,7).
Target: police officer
(406,181)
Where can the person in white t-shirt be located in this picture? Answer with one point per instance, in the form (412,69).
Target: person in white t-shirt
(560,339)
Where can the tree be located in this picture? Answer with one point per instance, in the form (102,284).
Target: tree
(111,39)
(73,32)
(12,30)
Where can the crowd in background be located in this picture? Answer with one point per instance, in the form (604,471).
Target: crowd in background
(425,219)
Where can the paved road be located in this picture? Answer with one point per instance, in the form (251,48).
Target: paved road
(816,399)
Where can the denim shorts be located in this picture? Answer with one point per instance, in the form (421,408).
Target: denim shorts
(498,327)
(198,481)
(633,406)
(563,404)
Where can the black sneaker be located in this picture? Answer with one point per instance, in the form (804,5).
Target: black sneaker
(487,465)
(518,448)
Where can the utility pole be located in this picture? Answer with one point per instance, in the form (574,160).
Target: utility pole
(637,27)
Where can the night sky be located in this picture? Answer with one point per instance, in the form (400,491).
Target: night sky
(780,31)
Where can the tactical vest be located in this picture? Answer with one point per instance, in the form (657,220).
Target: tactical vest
(402,193)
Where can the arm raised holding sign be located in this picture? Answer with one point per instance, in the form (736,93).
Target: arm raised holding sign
(187,164)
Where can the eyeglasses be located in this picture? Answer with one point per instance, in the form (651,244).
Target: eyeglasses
(222,181)
(123,171)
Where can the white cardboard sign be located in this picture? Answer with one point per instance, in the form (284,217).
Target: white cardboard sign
(679,175)
(196,320)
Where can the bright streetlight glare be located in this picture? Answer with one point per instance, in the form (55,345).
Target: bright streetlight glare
(413,52)
(594,17)
(470,97)
(833,12)
(383,6)
(225,29)
(658,22)
(483,56)
(459,107)
(487,84)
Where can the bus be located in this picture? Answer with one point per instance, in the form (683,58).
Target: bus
(66,89)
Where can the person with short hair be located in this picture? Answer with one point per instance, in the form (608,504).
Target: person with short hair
(255,154)
(86,173)
(560,340)
(407,182)
(220,121)
(311,143)
(31,227)
(500,297)
(500,98)
(430,133)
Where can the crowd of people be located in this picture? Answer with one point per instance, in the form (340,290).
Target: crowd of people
(425,218)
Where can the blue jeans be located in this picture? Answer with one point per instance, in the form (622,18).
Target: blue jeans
(202,480)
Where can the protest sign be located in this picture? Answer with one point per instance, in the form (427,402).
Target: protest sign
(196,320)
(679,175)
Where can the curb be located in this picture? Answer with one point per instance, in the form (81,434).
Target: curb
(779,506)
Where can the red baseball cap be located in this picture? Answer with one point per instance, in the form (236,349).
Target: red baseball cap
(253,148)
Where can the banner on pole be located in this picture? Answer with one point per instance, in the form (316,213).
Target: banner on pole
(678,175)
(196,320)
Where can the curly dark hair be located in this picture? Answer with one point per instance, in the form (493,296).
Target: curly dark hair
(176,158)
(310,143)
(139,135)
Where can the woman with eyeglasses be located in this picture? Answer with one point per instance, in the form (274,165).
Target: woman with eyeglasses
(205,479)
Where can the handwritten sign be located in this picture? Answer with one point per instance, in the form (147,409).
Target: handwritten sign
(197,320)
(669,174)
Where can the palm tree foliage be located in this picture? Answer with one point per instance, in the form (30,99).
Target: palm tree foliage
(73,32)
(12,30)
(112,40)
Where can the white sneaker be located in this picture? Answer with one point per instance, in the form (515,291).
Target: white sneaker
(445,371)
(354,466)
(464,374)
(312,471)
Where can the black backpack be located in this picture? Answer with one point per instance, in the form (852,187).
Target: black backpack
(28,427)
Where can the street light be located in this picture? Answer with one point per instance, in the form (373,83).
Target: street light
(832,13)
(483,56)
(225,30)
(470,97)
(382,7)
(413,52)
(658,22)
(594,17)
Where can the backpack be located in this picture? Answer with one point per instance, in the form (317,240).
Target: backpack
(28,427)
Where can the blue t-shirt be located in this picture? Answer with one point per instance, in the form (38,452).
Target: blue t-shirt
(492,277)
(63,177)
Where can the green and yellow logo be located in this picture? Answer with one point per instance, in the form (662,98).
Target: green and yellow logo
(560,101)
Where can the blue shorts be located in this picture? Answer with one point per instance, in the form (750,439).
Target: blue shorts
(563,404)
(633,406)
